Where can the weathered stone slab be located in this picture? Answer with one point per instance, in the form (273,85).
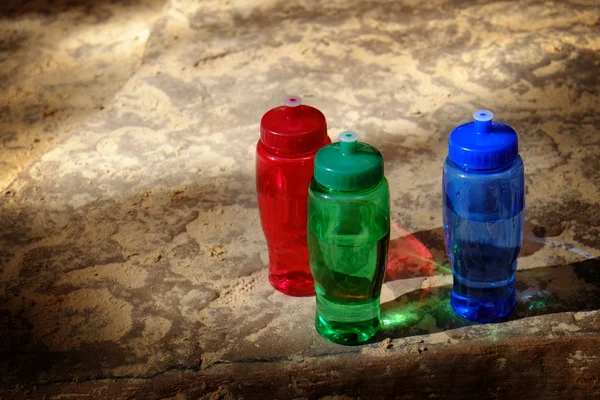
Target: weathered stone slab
(133,264)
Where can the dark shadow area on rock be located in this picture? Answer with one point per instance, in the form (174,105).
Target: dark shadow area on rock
(48,8)
(544,290)
(86,242)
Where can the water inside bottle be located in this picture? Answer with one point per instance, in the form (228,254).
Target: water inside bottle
(483,256)
(348,285)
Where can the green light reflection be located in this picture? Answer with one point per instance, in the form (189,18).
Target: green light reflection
(421,311)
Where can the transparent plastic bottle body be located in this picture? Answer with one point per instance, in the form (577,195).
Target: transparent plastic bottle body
(483,225)
(348,237)
(281,185)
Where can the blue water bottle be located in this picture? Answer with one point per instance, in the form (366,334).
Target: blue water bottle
(484,197)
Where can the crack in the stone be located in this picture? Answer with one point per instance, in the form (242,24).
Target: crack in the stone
(211,58)
(171,369)
(107,378)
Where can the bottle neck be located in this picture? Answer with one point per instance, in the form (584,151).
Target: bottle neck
(482,171)
(325,189)
(280,154)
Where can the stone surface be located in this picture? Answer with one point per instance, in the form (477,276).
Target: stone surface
(60,62)
(133,264)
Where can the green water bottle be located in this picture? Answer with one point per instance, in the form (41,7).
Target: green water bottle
(348,237)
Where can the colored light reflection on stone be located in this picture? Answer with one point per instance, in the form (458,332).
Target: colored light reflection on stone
(420,309)
(408,257)
(536,305)
(402,318)
(443,268)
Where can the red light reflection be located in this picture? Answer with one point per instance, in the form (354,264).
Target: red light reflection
(408,257)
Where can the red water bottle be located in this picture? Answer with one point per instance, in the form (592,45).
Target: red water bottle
(290,135)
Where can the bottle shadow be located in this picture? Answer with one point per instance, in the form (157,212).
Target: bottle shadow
(543,290)
(416,254)
(423,253)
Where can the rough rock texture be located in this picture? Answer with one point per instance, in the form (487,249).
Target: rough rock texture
(132,260)
(60,62)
